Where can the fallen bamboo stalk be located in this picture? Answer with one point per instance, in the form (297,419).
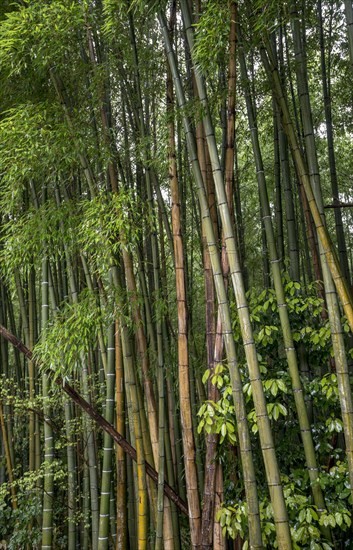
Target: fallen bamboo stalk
(99,419)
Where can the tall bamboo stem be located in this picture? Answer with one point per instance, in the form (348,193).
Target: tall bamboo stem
(244,436)
(265,433)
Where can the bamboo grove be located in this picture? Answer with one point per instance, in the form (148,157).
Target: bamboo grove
(176,308)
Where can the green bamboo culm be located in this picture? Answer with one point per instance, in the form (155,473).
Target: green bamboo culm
(328,248)
(303,419)
(121,459)
(265,433)
(327,255)
(139,475)
(47,511)
(326,79)
(342,372)
(237,387)
(47,521)
(161,408)
(104,510)
(349,21)
(71,477)
(89,446)
(72,484)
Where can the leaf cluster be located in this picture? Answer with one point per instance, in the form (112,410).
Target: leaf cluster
(40,34)
(70,336)
(305,519)
(211,36)
(35,145)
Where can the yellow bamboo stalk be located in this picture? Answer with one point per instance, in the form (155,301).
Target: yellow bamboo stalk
(9,466)
(342,288)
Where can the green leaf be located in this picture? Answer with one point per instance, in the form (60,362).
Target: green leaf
(338,518)
(301,516)
(206,376)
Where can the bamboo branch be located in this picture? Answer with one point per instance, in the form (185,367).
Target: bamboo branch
(99,419)
(340,205)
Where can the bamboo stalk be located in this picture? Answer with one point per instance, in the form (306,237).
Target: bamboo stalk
(121,504)
(104,509)
(324,237)
(9,465)
(265,433)
(244,436)
(98,418)
(329,262)
(303,419)
(341,241)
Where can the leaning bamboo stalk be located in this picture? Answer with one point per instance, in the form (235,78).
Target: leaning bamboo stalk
(98,418)
(211,463)
(244,436)
(303,418)
(324,237)
(327,255)
(341,241)
(343,380)
(265,433)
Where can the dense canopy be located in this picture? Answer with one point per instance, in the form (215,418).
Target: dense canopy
(176,307)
